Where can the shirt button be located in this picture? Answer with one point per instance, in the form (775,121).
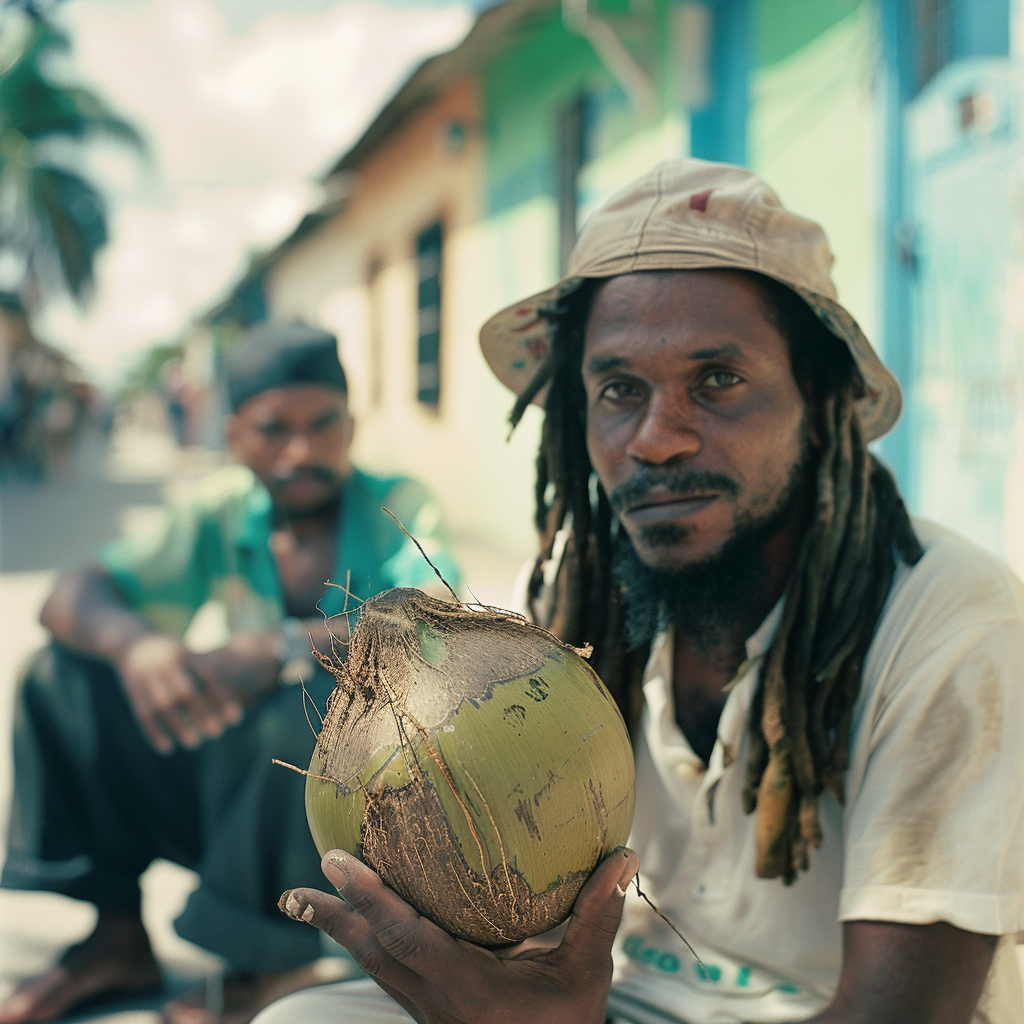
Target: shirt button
(699,890)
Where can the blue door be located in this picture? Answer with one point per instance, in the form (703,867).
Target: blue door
(965,213)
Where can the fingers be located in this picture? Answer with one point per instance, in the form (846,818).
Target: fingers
(337,919)
(402,932)
(221,706)
(173,704)
(598,911)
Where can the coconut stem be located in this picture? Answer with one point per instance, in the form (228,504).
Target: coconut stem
(437,572)
(302,771)
(648,901)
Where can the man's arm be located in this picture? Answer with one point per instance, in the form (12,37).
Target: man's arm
(892,973)
(178,696)
(909,974)
(87,613)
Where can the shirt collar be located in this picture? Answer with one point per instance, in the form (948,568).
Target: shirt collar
(665,736)
(254,528)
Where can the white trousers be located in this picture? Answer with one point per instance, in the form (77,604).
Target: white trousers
(346,1002)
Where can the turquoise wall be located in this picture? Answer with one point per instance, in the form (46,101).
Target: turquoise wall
(526,85)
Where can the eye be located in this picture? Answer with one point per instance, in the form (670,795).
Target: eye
(272,429)
(721,379)
(619,391)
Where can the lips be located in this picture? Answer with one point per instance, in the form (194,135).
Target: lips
(669,507)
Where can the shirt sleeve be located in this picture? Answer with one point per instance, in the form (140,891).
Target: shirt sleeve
(417,510)
(162,572)
(935,820)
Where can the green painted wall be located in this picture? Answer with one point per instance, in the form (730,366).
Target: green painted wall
(782,27)
(813,130)
(526,85)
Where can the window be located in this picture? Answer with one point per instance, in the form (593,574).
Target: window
(428,305)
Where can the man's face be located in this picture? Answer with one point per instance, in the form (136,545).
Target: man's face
(695,424)
(296,440)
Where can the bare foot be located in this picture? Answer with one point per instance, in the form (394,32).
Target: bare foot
(116,958)
(245,995)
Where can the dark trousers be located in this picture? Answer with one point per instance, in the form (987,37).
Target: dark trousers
(94,804)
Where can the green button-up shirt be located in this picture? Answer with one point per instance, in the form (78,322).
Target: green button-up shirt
(214,548)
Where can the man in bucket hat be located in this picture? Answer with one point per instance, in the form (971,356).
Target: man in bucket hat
(823,695)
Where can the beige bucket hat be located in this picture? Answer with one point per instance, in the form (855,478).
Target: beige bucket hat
(694,215)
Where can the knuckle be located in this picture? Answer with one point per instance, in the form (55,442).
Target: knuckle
(399,940)
(368,954)
(363,898)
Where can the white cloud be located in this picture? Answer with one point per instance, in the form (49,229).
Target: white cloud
(237,126)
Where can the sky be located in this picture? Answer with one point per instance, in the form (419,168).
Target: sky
(244,104)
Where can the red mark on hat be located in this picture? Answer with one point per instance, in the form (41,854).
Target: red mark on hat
(528,326)
(537,347)
(699,200)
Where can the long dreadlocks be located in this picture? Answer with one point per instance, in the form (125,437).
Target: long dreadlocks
(801,713)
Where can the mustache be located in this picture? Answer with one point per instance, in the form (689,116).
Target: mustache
(324,474)
(683,482)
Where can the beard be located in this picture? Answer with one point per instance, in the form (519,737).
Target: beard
(707,598)
(326,475)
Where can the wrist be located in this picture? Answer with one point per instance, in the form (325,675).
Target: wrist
(118,648)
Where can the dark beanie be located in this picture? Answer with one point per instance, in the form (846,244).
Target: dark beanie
(274,355)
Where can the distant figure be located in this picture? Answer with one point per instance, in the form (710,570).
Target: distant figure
(129,745)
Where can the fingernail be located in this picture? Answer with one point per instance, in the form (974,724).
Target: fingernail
(307,914)
(627,876)
(292,907)
(339,865)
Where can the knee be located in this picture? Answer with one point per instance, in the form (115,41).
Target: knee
(56,673)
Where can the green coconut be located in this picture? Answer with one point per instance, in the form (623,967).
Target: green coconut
(476,763)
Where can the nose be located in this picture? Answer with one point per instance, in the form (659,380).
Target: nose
(297,450)
(667,432)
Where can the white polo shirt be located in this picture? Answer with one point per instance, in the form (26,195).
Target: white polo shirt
(932,829)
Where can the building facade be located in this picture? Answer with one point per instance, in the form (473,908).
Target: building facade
(894,123)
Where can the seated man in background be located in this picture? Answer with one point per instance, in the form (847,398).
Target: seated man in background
(129,746)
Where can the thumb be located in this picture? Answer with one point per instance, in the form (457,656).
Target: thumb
(598,910)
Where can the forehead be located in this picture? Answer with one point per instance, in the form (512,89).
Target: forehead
(293,401)
(686,307)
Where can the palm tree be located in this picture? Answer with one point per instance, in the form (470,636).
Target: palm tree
(53,220)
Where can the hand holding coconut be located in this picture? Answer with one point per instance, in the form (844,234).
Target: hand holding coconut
(483,772)
(442,980)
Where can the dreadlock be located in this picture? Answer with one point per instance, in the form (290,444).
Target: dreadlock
(802,710)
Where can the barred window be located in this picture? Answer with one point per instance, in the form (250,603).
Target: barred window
(428,350)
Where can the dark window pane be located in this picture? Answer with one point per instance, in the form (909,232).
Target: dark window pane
(428,318)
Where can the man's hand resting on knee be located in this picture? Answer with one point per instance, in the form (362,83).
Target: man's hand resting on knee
(442,980)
